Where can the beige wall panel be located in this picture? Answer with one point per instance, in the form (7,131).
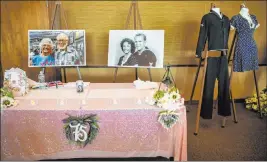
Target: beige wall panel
(179,19)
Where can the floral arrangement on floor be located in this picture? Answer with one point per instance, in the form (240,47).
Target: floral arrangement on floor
(83,126)
(7,97)
(169,100)
(252,102)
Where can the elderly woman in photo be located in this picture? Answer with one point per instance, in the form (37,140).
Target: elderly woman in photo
(46,57)
(128,48)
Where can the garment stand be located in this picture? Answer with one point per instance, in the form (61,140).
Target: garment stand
(196,77)
(201,96)
(59,8)
(254,75)
(135,9)
(198,68)
(216,101)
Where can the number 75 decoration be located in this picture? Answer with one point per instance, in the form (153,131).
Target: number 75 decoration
(81,129)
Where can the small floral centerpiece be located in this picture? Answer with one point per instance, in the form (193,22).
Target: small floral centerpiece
(17,80)
(166,98)
(252,102)
(7,98)
(169,100)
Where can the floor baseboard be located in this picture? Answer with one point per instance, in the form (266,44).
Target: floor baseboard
(196,101)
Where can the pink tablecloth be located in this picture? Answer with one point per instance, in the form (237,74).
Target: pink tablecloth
(128,126)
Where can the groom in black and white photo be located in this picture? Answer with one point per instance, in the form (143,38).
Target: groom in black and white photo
(144,56)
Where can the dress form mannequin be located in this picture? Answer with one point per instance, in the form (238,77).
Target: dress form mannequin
(217,10)
(246,51)
(244,12)
(214,29)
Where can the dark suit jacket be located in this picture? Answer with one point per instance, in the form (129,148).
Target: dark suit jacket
(145,58)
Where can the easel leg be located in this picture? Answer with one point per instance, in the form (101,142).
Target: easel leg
(195,81)
(233,107)
(258,95)
(201,95)
(231,75)
(231,96)
(136,74)
(232,99)
(115,75)
(172,77)
(223,122)
(65,76)
(215,103)
(149,72)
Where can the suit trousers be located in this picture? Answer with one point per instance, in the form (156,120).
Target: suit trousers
(217,68)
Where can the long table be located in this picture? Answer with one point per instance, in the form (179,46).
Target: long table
(33,130)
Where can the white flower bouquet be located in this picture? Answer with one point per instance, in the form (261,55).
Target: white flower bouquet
(169,100)
(7,98)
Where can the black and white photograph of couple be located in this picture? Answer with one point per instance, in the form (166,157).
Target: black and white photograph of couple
(136,48)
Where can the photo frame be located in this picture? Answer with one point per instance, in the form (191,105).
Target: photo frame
(136,48)
(48,48)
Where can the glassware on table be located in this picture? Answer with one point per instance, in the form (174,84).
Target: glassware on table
(79,86)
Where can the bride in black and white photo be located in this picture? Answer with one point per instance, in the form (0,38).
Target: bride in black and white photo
(128,48)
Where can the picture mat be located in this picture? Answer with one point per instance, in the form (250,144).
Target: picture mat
(155,43)
(77,44)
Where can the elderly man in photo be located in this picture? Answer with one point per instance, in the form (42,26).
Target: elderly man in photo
(66,55)
(46,57)
(144,56)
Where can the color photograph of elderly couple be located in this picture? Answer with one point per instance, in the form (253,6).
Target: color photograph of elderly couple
(56,48)
(136,48)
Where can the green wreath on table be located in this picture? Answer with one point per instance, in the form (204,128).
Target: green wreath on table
(90,120)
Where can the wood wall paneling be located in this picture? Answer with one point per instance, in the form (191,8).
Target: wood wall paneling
(179,19)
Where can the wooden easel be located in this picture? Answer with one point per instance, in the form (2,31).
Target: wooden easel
(135,9)
(58,7)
